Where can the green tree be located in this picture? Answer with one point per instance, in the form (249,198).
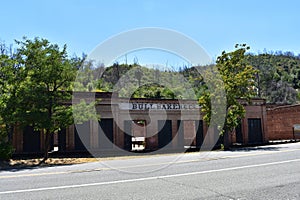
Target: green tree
(43,93)
(85,80)
(7,82)
(238,79)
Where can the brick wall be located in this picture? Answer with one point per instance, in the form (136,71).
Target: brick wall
(280,121)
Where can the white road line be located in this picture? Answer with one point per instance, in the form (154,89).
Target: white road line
(146,178)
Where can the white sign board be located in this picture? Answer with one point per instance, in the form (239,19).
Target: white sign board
(296,127)
(296,130)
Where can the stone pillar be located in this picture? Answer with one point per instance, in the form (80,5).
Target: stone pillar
(174,134)
(42,139)
(18,139)
(94,141)
(152,137)
(264,124)
(245,130)
(70,138)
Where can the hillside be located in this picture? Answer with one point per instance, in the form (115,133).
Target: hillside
(277,80)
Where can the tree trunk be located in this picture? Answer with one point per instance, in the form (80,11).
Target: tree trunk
(47,146)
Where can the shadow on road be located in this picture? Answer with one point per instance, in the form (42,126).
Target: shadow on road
(273,146)
(260,148)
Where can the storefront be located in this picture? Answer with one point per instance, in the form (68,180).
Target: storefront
(144,125)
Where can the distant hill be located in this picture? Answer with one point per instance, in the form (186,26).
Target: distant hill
(278,79)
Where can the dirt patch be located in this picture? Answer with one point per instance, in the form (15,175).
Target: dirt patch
(25,163)
(19,163)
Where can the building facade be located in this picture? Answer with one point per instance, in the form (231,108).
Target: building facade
(283,122)
(144,124)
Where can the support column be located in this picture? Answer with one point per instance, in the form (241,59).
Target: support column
(70,139)
(94,134)
(152,135)
(174,134)
(18,139)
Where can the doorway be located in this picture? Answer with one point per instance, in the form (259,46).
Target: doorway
(254,131)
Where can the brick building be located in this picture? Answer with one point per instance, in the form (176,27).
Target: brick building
(283,122)
(151,123)
(253,127)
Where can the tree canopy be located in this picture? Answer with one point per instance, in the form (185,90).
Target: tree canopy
(37,81)
(7,74)
(238,79)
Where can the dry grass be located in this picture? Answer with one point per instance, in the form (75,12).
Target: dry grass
(20,163)
(54,161)
(50,162)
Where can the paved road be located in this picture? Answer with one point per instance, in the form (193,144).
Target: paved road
(269,172)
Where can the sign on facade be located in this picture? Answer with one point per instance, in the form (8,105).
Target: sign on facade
(157,106)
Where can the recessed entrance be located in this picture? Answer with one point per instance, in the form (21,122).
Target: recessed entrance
(139,135)
(134,135)
(32,140)
(254,131)
(106,134)
(165,133)
(82,136)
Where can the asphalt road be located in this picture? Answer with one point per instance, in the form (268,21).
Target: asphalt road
(268,172)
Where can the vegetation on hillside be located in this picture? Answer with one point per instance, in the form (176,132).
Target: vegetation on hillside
(278,76)
(277,79)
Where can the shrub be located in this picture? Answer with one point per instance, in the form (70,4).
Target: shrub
(6,149)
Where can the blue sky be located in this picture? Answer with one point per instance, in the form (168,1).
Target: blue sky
(216,25)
